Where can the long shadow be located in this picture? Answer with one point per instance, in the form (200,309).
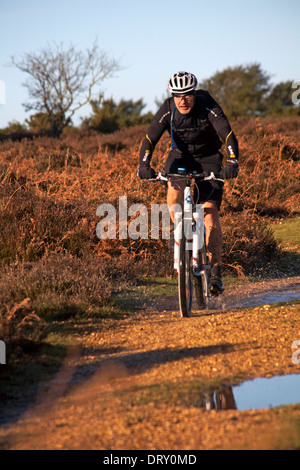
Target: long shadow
(133,364)
(141,361)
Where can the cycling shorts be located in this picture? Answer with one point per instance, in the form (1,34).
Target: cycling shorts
(208,191)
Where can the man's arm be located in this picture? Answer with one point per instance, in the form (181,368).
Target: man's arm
(221,125)
(158,126)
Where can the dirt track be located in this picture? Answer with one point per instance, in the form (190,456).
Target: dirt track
(132,384)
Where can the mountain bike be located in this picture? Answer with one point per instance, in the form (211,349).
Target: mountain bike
(190,252)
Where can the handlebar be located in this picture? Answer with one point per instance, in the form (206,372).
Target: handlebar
(200,176)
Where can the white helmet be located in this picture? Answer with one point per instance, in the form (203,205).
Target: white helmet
(182,82)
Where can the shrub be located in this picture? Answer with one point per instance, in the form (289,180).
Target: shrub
(249,244)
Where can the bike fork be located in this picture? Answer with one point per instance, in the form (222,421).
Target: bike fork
(177,237)
(183,222)
(192,222)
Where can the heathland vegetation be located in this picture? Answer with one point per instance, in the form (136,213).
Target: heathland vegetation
(53,266)
(54,176)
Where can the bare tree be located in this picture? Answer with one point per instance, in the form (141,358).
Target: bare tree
(62,81)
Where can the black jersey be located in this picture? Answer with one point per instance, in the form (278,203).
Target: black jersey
(199,133)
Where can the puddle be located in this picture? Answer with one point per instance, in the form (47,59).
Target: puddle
(255,394)
(259,294)
(285,295)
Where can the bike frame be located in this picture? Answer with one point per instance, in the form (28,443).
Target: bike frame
(192,222)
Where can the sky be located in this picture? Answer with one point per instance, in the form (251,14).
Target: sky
(151,40)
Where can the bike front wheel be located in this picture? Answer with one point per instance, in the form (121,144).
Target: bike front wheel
(185,277)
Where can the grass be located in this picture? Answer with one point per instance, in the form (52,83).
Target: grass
(287,233)
(145,291)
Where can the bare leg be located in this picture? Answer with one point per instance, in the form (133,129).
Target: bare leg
(214,238)
(214,241)
(175,195)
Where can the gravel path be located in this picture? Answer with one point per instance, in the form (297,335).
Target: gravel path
(137,383)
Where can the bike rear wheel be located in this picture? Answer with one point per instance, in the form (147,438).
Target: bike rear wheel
(185,277)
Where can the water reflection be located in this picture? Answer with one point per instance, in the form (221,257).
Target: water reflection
(219,400)
(254,394)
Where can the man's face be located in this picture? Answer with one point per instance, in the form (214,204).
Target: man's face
(184,103)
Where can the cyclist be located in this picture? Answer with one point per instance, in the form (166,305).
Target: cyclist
(196,123)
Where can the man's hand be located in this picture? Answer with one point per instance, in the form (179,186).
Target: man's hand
(230,170)
(146,173)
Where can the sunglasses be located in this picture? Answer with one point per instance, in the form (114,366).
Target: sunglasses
(187,96)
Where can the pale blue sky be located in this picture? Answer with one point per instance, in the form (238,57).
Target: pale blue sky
(152,40)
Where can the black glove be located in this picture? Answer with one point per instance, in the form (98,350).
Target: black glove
(230,170)
(146,173)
